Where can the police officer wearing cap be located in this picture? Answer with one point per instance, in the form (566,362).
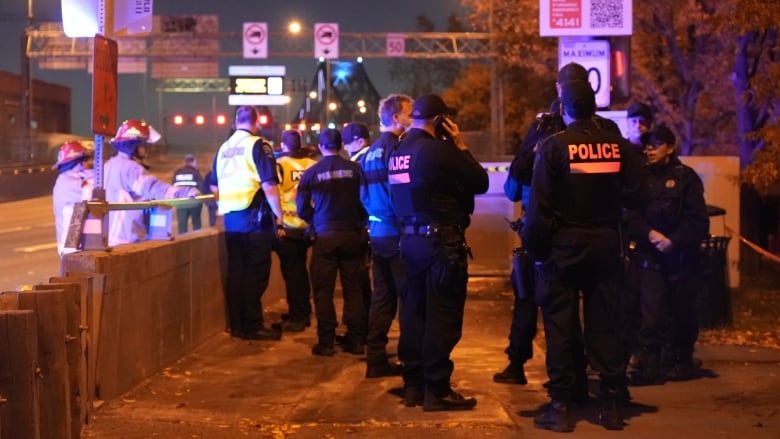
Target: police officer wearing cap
(433,179)
(582,179)
(329,199)
(188,176)
(244,173)
(640,120)
(524,312)
(384,230)
(665,238)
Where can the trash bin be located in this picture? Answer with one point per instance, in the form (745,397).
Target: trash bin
(714,301)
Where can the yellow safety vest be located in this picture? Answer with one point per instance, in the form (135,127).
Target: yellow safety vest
(290,170)
(236,172)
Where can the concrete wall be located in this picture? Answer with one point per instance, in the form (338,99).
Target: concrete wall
(161,300)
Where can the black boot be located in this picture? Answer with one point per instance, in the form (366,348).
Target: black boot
(650,372)
(610,416)
(513,374)
(555,418)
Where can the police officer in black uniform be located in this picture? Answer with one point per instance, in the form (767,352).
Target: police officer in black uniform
(329,200)
(524,312)
(188,176)
(433,179)
(582,179)
(665,239)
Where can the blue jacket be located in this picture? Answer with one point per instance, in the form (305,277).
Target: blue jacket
(375,193)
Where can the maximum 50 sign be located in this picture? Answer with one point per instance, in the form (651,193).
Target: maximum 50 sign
(594,55)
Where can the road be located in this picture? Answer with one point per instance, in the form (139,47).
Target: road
(28,249)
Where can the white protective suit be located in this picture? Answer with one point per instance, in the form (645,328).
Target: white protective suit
(72,186)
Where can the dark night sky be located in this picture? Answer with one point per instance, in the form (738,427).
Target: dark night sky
(135,101)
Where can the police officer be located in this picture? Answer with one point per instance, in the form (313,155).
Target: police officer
(244,171)
(293,248)
(524,312)
(433,179)
(384,229)
(665,237)
(640,120)
(329,199)
(188,176)
(582,179)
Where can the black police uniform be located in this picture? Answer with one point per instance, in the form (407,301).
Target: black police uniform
(433,186)
(524,311)
(329,200)
(676,209)
(582,179)
(188,176)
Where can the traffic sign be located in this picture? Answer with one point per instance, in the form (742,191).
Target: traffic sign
(396,45)
(326,40)
(594,55)
(255,40)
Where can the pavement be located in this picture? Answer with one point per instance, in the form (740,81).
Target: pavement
(232,388)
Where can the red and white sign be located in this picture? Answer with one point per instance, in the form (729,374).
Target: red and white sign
(255,40)
(396,45)
(326,40)
(559,18)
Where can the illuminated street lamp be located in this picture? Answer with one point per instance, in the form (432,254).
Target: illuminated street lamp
(294,27)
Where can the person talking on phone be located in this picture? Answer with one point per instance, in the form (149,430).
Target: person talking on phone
(433,180)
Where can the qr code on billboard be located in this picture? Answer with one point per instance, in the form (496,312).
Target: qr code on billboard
(606,14)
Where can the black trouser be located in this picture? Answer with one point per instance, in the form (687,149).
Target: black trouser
(292,258)
(184,214)
(432,305)
(249,268)
(522,331)
(342,253)
(389,279)
(586,260)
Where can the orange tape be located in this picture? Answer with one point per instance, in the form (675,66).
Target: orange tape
(755,247)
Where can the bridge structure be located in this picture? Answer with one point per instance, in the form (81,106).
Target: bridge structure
(51,48)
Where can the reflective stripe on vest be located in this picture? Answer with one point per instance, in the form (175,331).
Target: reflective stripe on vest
(237,172)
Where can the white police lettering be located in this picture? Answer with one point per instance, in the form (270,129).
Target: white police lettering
(232,152)
(374,155)
(296,175)
(590,152)
(335,175)
(399,163)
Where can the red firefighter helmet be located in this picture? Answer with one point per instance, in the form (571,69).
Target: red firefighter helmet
(71,151)
(134,129)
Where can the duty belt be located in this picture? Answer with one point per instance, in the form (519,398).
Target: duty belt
(430,229)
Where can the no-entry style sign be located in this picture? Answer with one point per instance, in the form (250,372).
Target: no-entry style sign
(255,40)
(326,40)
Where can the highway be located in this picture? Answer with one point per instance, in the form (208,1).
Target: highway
(28,249)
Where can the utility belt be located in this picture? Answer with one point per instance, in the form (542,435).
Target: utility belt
(429,230)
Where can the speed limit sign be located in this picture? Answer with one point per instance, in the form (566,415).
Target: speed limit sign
(594,55)
(396,45)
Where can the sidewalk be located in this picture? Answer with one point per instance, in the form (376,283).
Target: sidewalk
(231,388)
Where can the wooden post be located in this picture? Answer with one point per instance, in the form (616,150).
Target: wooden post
(20,410)
(94,315)
(73,348)
(49,307)
(9,300)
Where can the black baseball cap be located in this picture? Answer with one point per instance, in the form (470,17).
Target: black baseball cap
(658,135)
(572,72)
(578,99)
(330,138)
(640,110)
(354,131)
(430,106)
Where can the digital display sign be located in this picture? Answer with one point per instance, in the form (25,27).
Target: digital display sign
(257,85)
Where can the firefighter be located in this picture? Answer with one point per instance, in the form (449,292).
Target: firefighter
(127,181)
(74,184)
